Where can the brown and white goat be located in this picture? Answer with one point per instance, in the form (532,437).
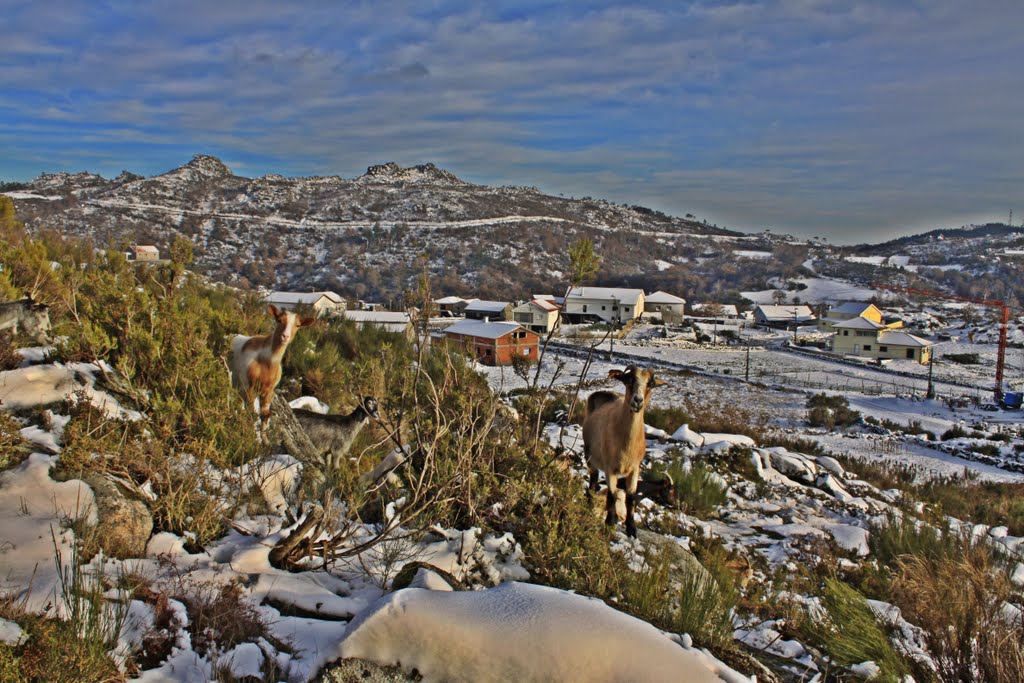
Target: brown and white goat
(613,437)
(256,362)
(333,435)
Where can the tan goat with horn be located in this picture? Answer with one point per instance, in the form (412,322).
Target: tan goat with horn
(613,437)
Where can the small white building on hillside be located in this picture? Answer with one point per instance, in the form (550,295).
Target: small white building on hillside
(323,303)
(481,309)
(714,311)
(398,322)
(451,305)
(614,305)
(669,307)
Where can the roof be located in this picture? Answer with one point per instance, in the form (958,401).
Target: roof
(545,297)
(302,297)
(851,307)
(482,305)
(543,304)
(901,339)
(727,309)
(477,328)
(606,293)
(660,297)
(858,323)
(785,312)
(382,317)
(451,300)
(147,248)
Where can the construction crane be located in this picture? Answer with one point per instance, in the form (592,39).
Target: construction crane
(1004,321)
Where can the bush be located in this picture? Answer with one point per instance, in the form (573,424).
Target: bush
(699,491)
(954,432)
(830,412)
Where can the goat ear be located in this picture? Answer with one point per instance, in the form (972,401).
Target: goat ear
(614,374)
(658,382)
(273,310)
(306,322)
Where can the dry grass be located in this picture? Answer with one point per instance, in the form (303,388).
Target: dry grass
(959,604)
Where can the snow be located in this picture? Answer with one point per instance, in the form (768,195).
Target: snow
(521,632)
(46,384)
(310,403)
(662,265)
(849,537)
(35,512)
(817,289)
(10,633)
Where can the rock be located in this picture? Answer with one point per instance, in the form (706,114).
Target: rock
(125,523)
(792,465)
(362,671)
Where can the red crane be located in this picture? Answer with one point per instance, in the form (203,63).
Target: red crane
(1004,321)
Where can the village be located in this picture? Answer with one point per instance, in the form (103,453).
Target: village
(851,344)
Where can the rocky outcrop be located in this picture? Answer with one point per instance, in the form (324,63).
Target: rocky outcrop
(124,522)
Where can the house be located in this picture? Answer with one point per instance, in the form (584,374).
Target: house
(668,307)
(323,303)
(848,311)
(868,339)
(145,252)
(494,343)
(608,304)
(479,309)
(397,322)
(451,306)
(782,317)
(539,315)
(721,312)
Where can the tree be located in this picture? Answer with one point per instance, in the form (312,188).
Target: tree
(583,262)
(779,297)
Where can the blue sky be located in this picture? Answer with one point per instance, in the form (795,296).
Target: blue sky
(854,121)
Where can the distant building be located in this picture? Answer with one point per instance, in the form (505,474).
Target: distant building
(714,311)
(391,321)
(868,339)
(669,307)
(323,303)
(783,317)
(539,315)
(479,309)
(494,343)
(145,252)
(848,311)
(608,304)
(451,305)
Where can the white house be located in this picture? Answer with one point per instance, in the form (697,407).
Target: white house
(610,304)
(481,309)
(398,322)
(539,315)
(717,311)
(451,305)
(324,303)
(783,317)
(669,307)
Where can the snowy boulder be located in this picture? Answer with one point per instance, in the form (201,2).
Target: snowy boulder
(310,403)
(124,523)
(831,465)
(826,482)
(685,435)
(722,442)
(521,632)
(10,633)
(655,433)
(1018,574)
(792,465)
(851,538)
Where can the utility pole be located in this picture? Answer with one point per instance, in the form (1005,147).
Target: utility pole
(615,325)
(931,369)
(746,372)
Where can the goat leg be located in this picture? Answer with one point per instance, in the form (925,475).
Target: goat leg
(611,518)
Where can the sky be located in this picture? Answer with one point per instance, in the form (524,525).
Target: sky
(850,121)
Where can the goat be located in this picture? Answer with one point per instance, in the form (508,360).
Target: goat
(32,317)
(613,437)
(256,361)
(333,435)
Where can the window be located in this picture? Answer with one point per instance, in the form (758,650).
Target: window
(883,349)
(603,307)
(910,354)
(526,351)
(867,347)
(846,333)
(584,308)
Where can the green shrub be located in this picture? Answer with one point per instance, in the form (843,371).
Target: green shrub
(830,411)
(699,492)
(902,535)
(954,432)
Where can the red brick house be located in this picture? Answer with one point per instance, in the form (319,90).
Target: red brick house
(494,343)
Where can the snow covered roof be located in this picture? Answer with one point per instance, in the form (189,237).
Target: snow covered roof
(770,312)
(858,323)
(478,328)
(622,294)
(901,339)
(660,297)
(545,297)
(482,305)
(727,309)
(302,297)
(448,300)
(378,316)
(851,308)
(146,249)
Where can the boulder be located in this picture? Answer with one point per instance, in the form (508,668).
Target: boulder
(124,522)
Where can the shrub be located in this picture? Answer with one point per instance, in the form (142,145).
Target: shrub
(954,432)
(830,411)
(699,491)
(902,535)
(13,447)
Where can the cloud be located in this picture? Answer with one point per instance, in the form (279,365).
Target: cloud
(806,115)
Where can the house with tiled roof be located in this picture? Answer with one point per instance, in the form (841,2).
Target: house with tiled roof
(538,315)
(784,316)
(323,303)
(668,307)
(493,343)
